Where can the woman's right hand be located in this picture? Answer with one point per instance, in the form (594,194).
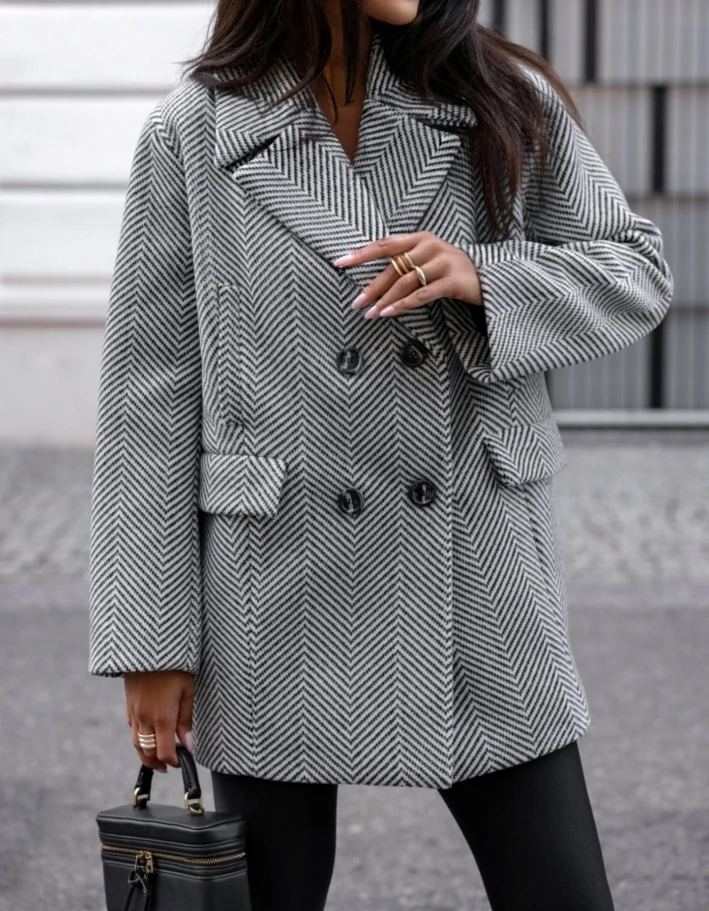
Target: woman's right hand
(160,702)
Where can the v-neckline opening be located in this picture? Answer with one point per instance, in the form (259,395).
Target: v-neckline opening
(332,136)
(334,140)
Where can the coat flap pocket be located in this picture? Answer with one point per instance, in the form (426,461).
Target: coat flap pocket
(240,483)
(526,452)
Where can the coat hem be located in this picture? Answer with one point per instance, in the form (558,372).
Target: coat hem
(382,781)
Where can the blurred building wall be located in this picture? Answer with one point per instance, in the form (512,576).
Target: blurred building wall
(639,71)
(77,81)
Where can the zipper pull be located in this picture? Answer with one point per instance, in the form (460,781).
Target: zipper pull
(145,856)
(141,877)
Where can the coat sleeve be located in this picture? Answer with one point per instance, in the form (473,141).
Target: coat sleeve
(588,279)
(144,568)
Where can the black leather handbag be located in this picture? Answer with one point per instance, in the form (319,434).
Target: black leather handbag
(169,858)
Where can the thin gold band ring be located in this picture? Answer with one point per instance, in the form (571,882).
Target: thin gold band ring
(404,264)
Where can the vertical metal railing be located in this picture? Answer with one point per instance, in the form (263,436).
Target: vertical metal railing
(590,41)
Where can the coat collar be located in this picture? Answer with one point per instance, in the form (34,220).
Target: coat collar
(289,159)
(246,121)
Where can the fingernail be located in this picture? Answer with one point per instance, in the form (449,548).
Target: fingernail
(369,314)
(387,311)
(164,771)
(343,260)
(358,301)
(189,741)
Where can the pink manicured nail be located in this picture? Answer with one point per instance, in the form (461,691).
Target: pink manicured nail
(189,741)
(343,260)
(371,313)
(388,311)
(358,301)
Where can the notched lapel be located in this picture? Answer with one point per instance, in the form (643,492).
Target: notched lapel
(424,138)
(288,158)
(405,177)
(313,191)
(408,174)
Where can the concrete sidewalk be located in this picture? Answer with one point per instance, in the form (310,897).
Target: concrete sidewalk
(636,531)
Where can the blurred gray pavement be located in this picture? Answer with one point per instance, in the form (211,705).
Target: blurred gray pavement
(635,515)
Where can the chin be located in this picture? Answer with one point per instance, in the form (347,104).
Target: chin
(393,12)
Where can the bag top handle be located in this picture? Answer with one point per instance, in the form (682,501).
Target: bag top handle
(190,779)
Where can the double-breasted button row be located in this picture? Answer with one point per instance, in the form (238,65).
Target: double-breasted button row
(350,361)
(412,353)
(421,492)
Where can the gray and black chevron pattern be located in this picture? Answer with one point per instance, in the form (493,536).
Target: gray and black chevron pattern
(406,644)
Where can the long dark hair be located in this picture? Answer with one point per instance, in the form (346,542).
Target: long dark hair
(444,54)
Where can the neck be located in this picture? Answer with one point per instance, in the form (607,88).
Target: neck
(334,70)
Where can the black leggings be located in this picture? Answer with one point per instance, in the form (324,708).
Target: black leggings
(530,828)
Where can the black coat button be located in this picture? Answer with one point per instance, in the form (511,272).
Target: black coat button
(350,360)
(413,353)
(422,492)
(350,501)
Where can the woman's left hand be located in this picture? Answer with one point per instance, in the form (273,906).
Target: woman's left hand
(449,272)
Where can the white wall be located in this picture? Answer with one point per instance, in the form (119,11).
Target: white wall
(76,83)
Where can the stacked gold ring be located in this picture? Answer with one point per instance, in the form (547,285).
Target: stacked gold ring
(147,741)
(404,264)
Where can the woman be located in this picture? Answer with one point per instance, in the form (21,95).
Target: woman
(328,525)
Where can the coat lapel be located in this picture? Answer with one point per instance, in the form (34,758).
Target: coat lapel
(289,158)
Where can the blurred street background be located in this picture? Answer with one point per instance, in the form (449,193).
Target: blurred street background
(76,82)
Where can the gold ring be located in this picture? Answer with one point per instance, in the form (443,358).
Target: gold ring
(397,265)
(411,263)
(422,275)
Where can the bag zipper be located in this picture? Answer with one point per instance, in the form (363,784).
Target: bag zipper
(148,856)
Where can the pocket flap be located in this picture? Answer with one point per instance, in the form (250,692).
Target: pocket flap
(240,483)
(526,452)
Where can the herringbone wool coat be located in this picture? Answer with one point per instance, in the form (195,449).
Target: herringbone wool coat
(347,529)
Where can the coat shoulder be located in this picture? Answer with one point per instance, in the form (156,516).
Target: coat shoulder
(566,134)
(558,115)
(183,113)
(541,83)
